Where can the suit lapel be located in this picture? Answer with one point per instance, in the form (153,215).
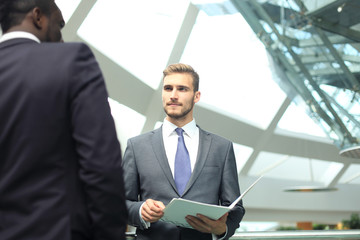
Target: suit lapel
(203,151)
(159,150)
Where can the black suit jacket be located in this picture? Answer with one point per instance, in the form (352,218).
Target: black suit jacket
(147,174)
(60,160)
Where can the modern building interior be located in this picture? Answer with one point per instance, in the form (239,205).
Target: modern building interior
(279,78)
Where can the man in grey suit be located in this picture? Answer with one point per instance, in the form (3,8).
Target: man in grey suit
(60,160)
(180,160)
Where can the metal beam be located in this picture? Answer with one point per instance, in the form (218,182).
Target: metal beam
(337,29)
(72,26)
(343,130)
(352,82)
(266,136)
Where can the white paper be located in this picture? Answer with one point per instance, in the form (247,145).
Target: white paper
(176,211)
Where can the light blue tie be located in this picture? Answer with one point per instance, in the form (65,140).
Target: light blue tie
(182,163)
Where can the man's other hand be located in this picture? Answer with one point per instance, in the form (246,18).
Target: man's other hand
(152,210)
(207,225)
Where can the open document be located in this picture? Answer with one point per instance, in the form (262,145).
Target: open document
(176,211)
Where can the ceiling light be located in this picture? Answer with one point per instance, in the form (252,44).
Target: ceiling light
(309,189)
(351,152)
(341,7)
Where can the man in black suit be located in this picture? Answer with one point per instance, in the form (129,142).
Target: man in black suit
(60,160)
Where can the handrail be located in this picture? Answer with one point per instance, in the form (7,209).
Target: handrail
(299,234)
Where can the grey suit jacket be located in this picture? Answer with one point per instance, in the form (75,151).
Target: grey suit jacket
(147,174)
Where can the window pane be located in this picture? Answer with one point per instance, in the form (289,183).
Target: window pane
(352,175)
(242,154)
(67,7)
(291,167)
(138,35)
(233,68)
(296,120)
(128,122)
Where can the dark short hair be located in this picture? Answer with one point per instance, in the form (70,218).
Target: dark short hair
(13,12)
(183,68)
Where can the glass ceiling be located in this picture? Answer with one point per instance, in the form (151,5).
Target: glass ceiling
(296,120)
(236,44)
(313,59)
(278,165)
(242,84)
(137,35)
(237,79)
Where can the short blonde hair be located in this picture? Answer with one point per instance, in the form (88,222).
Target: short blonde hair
(183,68)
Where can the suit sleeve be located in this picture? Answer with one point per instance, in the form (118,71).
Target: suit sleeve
(131,178)
(97,147)
(230,191)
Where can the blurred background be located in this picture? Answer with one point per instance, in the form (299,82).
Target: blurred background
(279,78)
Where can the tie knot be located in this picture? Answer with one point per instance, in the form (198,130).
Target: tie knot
(179,131)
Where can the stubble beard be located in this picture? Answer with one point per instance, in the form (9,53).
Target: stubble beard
(180,115)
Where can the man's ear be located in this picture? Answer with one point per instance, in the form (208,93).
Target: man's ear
(38,18)
(197,96)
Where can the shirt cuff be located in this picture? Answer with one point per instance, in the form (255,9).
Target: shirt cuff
(216,237)
(145,224)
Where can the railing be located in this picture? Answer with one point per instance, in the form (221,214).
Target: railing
(284,235)
(300,234)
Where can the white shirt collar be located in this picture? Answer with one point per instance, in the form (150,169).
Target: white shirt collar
(189,129)
(18,34)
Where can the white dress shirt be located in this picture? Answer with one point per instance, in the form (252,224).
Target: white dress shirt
(18,34)
(170,139)
(191,138)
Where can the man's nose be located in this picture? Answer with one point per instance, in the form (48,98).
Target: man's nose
(174,94)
